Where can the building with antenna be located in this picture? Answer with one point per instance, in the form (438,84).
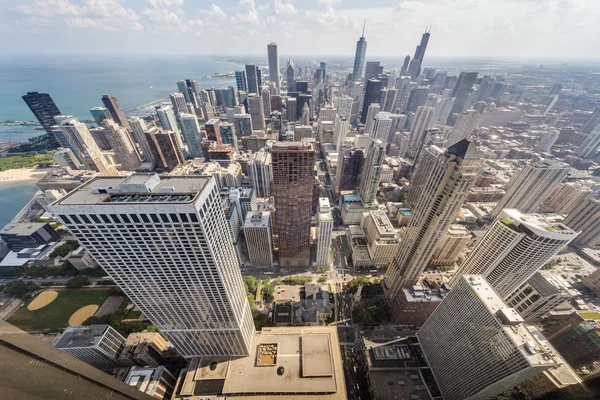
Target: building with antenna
(414,67)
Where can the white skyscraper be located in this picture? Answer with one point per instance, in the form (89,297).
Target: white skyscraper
(477,347)
(532,185)
(266,98)
(590,145)
(514,248)
(344,106)
(166,243)
(547,140)
(257,112)
(373,110)
(325,221)
(371,173)
(168,121)
(584,218)
(422,121)
(273,55)
(466,123)
(340,131)
(381,127)
(138,127)
(260,172)
(259,238)
(191,133)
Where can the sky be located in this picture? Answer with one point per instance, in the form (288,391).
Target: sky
(460,28)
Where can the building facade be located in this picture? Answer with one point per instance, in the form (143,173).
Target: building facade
(259,238)
(325,226)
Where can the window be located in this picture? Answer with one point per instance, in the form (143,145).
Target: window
(105,218)
(154,218)
(135,218)
(95,218)
(115,218)
(145,218)
(125,218)
(75,219)
(85,219)
(64,218)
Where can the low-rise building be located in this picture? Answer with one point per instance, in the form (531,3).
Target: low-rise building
(592,281)
(144,349)
(352,208)
(382,239)
(157,382)
(416,303)
(28,235)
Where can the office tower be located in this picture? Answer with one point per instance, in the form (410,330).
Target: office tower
(547,140)
(584,218)
(576,338)
(305,115)
(243,124)
(301,86)
(182,87)
(359,57)
(240,81)
(325,226)
(371,174)
(291,106)
(340,131)
(567,196)
(293,164)
(462,90)
(66,159)
(259,239)
(380,236)
(465,125)
(234,110)
(390,100)
(371,96)
(191,133)
(443,106)
(259,78)
(414,68)
(540,294)
(405,65)
(266,98)
(372,111)
(472,329)
(100,114)
(114,107)
(381,127)
(344,106)
(205,98)
(290,76)
(276,103)
(514,248)
(417,97)
(168,121)
(372,69)
(257,112)
(213,130)
(97,345)
(228,135)
(404,86)
(422,121)
(273,55)
(590,145)
(450,246)
(84,144)
(35,369)
(164,148)
(99,135)
(179,103)
(150,229)
(121,143)
(327,113)
(528,188)
(138,127)
(44,109)
(349,170)
(300,101)
(440,183)
(252,78)
(261,173)
(592,123)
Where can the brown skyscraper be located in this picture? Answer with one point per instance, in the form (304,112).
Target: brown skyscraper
(164,148)
(114,107)
(293,164)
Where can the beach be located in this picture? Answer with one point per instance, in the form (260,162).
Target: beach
(22,174)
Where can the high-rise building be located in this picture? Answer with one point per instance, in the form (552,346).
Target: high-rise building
(290,76)
(179,103)
(567,196)
(349,169)
(462,90)
(273,55)
(228,135)
(371,96)
(257,112)
(213,130)
(150,229)
(359,58)
(252,73)
(114,107)
(243,124)
(164,148)
(80,139)
(465,125)
(590,145)
(191,133)
(592,123)
(514,248)
(261,173)
(138,127)
(125,151)
(325,226)
(97,345)
(404,86)
(44,109)
(528,188)
(372,69)
(372,111)
(381,127)
(266,98)
(473,329)
(100,114)
(344,106)
(66,159)
(240,81)
(168,121)
(293,180)
(259,239)
(440,183)
(405,65)
(584,219)
(422,121)
(576,338)
(414,68)
(380,236)
(546,141)
(371,173)
(58,375)
(450,246)
(291,107)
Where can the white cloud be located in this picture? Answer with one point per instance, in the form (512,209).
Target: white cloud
(333,20)
(247,13)
(160,15)
(410,5)
(165,3)
(329,2)
(216,12)
(281,8)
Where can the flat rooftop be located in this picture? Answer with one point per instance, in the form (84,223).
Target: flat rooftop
(257,219)
(22,229)
(307,365)
(81,336)
(245,191)
(382,222)
(137,188)
(536,223)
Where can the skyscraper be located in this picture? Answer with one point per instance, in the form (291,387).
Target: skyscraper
(240,81)
(259,238)
(122,144)
(405,65)
(414,68)
(114,107)
(266,98)
(273,55)
(325,226)
(191,133)
(466,123)
(584,218)
(349,170)
(473,330)
(592,123)
(291,106)
(372,69)
(212,128)
(528,188)
(371,96)
(422,121)
(257,112)
(372,111)
(381,127)
(149,230)
(252,78)
(590,145)
(440,183)
(168,121)
(462,90)
(289,76)
(359,57)
(100,114)
(228,135)
(243,124)
(44,109)
(260,172)
(165,150)
(138,127)
(179,103)
(513,248)
(576,338)
(371,173)
(293,164)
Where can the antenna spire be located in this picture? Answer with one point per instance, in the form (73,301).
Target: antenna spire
(364,23)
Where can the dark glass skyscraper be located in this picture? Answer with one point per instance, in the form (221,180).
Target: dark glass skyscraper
(371,96)
(359,57)
(114,107)
(414,68)
(462,90)
(44,109)
(252,78)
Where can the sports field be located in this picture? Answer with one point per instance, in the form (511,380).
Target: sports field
(56,314)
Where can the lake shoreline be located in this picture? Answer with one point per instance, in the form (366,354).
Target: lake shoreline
(22,174)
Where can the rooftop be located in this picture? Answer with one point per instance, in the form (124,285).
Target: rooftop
(257,219)
(22,229)
(536,224)
(81,336)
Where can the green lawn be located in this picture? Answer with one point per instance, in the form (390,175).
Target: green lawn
(134,313)
(55,316)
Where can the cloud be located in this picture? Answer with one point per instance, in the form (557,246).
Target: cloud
(165,3)
(410,5)
(216,12)
(281,8)
(160,15)
(247,13)
(329,2)
(333,20)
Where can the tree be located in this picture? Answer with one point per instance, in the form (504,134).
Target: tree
(268,290)
(93,320)
(261,321)
(19,288)
(64,249)
(251,284)
(78,281)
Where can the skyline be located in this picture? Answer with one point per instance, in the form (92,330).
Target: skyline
(463,28)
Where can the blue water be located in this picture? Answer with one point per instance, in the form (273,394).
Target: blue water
(76,83)
(13,197)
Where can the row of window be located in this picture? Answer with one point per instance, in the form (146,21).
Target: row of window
(129,218)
